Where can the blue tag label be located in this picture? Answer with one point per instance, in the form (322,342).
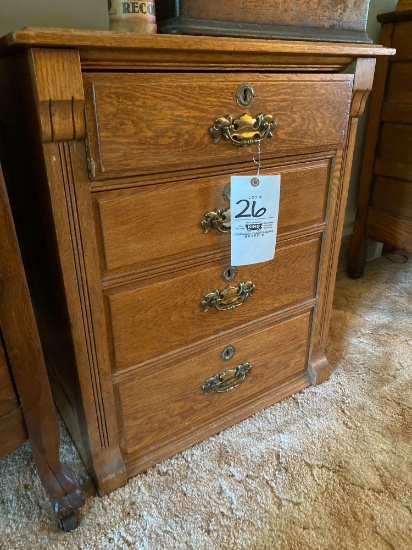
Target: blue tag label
(254,207)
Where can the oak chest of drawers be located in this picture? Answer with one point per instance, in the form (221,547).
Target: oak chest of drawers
(112,168)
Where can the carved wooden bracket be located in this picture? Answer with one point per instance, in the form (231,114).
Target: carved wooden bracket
(59,91)
(365,68)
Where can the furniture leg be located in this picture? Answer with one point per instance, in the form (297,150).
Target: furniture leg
(18,325)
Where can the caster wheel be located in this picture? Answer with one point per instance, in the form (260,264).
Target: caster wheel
(68,523)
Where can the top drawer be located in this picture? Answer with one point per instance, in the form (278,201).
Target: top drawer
(156,123)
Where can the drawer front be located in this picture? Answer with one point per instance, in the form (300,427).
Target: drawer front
(156,123)
(399,83)
(392,195)
(401,40)
(153,224)
(395,142)
(171,308)
(159,405)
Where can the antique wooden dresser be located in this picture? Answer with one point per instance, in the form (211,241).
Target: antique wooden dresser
(384,210)
(120,197)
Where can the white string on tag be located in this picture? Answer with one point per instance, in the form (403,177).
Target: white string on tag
(255,181)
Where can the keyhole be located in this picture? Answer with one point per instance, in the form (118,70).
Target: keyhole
(228,353)
(229,273)
(245,95)
(226,192)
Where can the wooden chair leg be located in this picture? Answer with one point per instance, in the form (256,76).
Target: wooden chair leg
(22,342)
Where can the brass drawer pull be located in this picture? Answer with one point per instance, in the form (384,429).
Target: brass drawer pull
(219,219)
(228,298)
(244,130)
(229,379)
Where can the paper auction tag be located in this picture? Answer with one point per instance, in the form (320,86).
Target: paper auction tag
(254,207)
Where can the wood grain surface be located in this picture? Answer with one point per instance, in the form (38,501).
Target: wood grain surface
(24,351)
(346,14)
(357,254)
(138,314)
(401,41)
(397,112)
(386,227)
(395,142)
(149,123)
(167,402)
(147,225)
(392,195)
(8,396)
(116,307)
(105,40)
(61,118)
(128,51)
(13,432)
(399,86)
(393,168)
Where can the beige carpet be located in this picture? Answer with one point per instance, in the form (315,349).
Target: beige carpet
(330,468)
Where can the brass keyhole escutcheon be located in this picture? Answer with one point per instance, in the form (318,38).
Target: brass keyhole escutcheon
(226,193)
(229,273)
(228,353)
(245,95)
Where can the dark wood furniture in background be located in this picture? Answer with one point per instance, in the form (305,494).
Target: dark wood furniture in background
(113,167)
(335,20)
(26,403)
(384,211)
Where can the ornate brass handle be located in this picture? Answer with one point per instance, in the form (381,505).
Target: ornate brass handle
(219,219)
(229,379)
(244,130)
(228,298)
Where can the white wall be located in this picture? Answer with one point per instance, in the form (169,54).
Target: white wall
(93,14)
(77,14)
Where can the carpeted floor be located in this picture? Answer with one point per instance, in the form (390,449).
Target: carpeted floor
(329,468)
